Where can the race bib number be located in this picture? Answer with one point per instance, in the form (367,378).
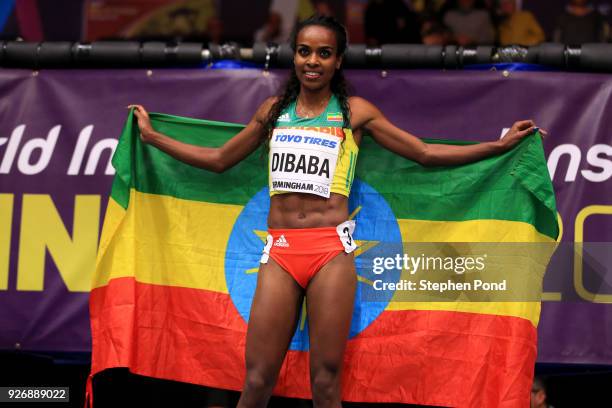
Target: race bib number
(303,161)
(265,255)
(345,232)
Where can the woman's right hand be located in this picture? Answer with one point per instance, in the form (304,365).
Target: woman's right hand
(144,123)
(216,159)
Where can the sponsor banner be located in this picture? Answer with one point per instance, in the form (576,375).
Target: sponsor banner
(58,130)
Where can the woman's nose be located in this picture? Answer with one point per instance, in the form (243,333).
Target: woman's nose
(312,59)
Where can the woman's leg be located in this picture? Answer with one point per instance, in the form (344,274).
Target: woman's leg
(329,299)
(272,322)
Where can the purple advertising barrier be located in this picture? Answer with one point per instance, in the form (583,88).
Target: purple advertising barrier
(59,128)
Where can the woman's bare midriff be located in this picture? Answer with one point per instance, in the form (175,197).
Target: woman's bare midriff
(300,210)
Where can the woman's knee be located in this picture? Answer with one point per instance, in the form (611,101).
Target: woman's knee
(258,381)
(325,382)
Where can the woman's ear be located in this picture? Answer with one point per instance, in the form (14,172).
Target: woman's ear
(339,63)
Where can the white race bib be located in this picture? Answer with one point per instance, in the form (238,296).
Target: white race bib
(345,232)
(303,161)
(265,255)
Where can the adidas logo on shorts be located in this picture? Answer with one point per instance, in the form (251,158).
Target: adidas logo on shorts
(284,117)
(281,242)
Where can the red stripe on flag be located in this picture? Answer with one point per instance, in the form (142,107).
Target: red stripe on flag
(433,358)
(443,358)
(421,357)
(181,334)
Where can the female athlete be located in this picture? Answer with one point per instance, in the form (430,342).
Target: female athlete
(313,129)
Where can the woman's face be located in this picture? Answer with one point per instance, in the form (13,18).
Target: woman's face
(316,57)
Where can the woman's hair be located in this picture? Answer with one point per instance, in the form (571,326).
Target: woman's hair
(291,89)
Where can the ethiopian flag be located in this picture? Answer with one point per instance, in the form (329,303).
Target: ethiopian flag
(178,258)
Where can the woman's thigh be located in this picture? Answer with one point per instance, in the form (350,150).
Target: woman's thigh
(330,299)
(272,319)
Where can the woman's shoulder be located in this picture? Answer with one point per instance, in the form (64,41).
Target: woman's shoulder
(361,105)
(269,102)
(264,109)
(362,111)
(358,102)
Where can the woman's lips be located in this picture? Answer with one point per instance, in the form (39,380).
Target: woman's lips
(312,75)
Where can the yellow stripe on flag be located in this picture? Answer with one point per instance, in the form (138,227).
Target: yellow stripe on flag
(494,231)
(184,246)
(469,231)
(191,254)
(524,310)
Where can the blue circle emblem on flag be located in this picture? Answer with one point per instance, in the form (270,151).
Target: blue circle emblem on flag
(377,235)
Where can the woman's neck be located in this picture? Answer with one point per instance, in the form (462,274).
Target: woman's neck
(314,99)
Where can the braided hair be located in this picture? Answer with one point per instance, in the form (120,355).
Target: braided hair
(291,89)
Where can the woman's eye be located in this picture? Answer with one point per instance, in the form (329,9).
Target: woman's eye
(325,53)
(303,52)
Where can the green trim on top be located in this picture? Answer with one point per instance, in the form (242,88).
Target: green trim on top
(349,179)
(333,106)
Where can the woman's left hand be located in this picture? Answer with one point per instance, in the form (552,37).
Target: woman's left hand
(518,131)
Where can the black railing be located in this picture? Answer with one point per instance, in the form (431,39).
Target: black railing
(126,54)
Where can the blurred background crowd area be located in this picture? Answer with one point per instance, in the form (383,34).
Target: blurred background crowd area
(373,22)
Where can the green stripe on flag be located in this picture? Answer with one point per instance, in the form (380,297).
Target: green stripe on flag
(514,186)
(158,173)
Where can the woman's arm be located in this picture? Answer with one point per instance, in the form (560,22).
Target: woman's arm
(216,159)
(365,115)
